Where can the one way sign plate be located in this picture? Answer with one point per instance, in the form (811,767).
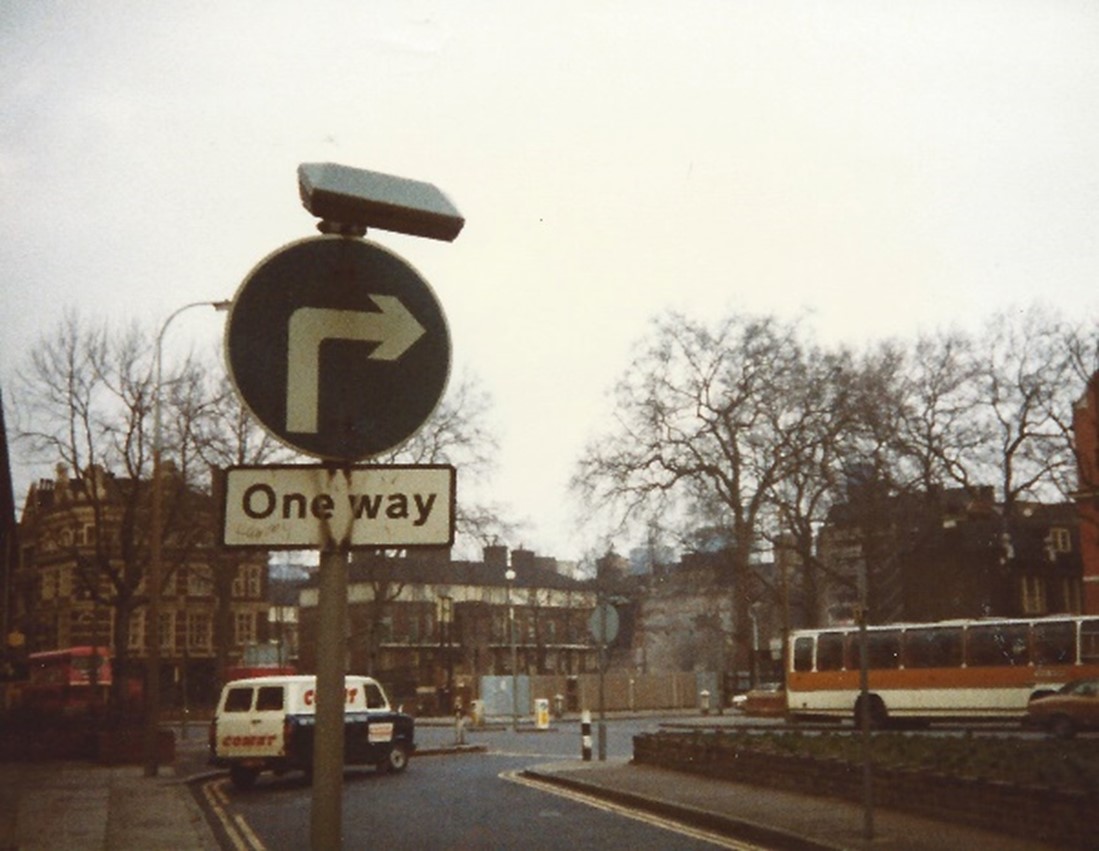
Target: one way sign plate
(363,506)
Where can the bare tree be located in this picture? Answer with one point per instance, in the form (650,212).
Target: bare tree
(710,414)
(1025,388)
(457,433)
(85,399)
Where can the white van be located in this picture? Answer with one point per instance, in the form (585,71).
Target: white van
(266,724)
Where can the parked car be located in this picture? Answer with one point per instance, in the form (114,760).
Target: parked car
(768,699)
(267,723)
(1073,707)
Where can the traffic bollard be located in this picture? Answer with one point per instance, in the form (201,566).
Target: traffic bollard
(585,735)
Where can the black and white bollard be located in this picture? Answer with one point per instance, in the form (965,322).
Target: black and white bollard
(585,735)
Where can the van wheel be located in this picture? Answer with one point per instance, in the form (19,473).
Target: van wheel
(874,708)
(396,761)
(243,778)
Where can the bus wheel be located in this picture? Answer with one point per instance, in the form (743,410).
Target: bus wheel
(1062,727)
(243,778)
(874,709)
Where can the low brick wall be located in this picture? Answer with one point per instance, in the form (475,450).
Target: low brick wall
(1056,816)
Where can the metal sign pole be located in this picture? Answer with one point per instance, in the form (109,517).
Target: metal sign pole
(326,817)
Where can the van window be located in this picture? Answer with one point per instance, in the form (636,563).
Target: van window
(374,697)
(238,700)
(269,698)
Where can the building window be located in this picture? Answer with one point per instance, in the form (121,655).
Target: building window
(167,630)
(137,631)
(244,628)
(49,584)
(198,631)
(1033,595)
(1073,596)
(1060,541)
(199,583)
(247,582)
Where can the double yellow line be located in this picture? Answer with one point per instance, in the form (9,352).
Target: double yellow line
(236,828)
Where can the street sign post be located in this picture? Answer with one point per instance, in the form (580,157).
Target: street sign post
(341,351)
(603,623)
(313,506)
(603,626)
(338,347)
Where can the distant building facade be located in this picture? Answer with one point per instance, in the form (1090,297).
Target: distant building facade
(953,553)
(429,627)
(214,602)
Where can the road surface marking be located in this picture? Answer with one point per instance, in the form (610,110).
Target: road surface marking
(638,815)
(236,828)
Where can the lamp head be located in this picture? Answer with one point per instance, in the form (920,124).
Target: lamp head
(349,200)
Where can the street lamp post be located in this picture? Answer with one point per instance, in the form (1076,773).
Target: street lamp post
(509,575)
(153,580)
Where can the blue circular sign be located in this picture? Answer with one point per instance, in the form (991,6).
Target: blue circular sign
(338,347)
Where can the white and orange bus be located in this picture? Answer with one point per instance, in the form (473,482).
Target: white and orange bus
(965,669)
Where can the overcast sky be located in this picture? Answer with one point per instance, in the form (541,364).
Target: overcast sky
(885,167)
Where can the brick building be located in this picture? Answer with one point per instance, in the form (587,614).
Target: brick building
(953,553)
(82,557)
(1086,432)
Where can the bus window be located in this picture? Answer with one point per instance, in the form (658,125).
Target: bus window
(803,653)
(1089,640)
(1055,643)
(996,645)
(884,648)
(830,651)
(940,647)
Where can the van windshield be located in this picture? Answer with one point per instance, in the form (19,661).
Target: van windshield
(374,697)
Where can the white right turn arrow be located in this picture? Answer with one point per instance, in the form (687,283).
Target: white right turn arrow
(394,329)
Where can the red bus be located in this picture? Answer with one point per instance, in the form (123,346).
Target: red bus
(987,668)
(67,682)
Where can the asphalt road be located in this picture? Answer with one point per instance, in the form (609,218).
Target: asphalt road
(454,801)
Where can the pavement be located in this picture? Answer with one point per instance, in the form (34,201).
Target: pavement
(80,806)
(76,806)
(766,818)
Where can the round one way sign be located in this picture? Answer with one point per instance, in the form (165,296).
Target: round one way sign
(338,347)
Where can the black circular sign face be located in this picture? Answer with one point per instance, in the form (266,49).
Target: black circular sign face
(338,347)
